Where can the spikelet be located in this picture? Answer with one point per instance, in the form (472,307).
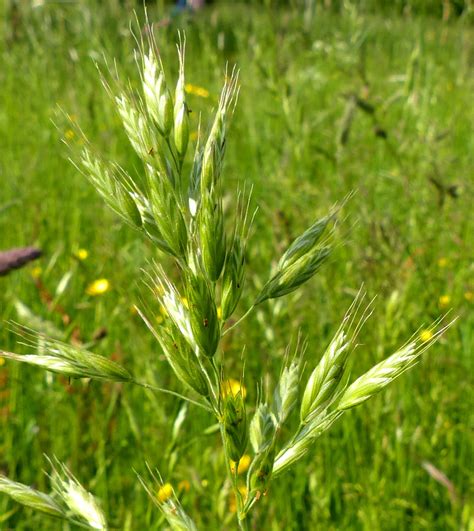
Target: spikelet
(212,235)
(203,318)
(181,119)
(30,497)
(71,361)
(81,504)
(285,396)
(294,275)
(156,93)
(214,148)
(235,426)
(384,373)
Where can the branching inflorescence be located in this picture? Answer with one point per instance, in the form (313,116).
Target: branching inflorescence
(183,216)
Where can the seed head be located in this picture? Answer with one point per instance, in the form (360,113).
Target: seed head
(156,94)
(235,426)
(326,378)
(286,392)
(262,428)
(304,243)
(385,372)
(205,324)
(182,359)
(70,360)
(181,119)
(233,278)
(80,503)
(214,149)
(167,212)
(30,497)
(114,185)
(212,235)
(294,275)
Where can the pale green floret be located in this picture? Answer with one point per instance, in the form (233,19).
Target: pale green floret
(194,192)
(213,154)
(114,185)
(183,360)
(214,148)
(181,357)
(212,235)
(263,432)
(303,441)
(81,504)
(325,380)
(235,428)
(202,313)
(262,428)
(137,128)
(285,396)
(181,119)
(73,362)
(380,376)
(181,130)
(30,497)
(175,308)
(156,94)
(167,213)
(292,276)
(304,243)
(233,278)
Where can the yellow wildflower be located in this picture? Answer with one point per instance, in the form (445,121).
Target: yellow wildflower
(163,311)
(233,387)
(159,319)
(185,302)
(2,361)
(184,485)
(82,254)
(469,296)
(219,312)
(444,301)
(426,335)
(36,272)
(69,134)
(165,492)
(205,483)
(442,262)
(98,287)
(243,466)
(197,91)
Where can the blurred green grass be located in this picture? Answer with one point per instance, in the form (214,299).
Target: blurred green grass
(407,242)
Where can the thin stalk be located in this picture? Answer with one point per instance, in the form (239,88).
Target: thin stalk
(246,314)
(214,402)
(168,392)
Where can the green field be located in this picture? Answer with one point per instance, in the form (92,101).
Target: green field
(333,101)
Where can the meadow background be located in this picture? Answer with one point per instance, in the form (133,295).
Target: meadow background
(336,97)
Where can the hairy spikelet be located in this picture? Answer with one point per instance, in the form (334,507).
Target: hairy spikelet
(71,361)
(30,497)
(81,505)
